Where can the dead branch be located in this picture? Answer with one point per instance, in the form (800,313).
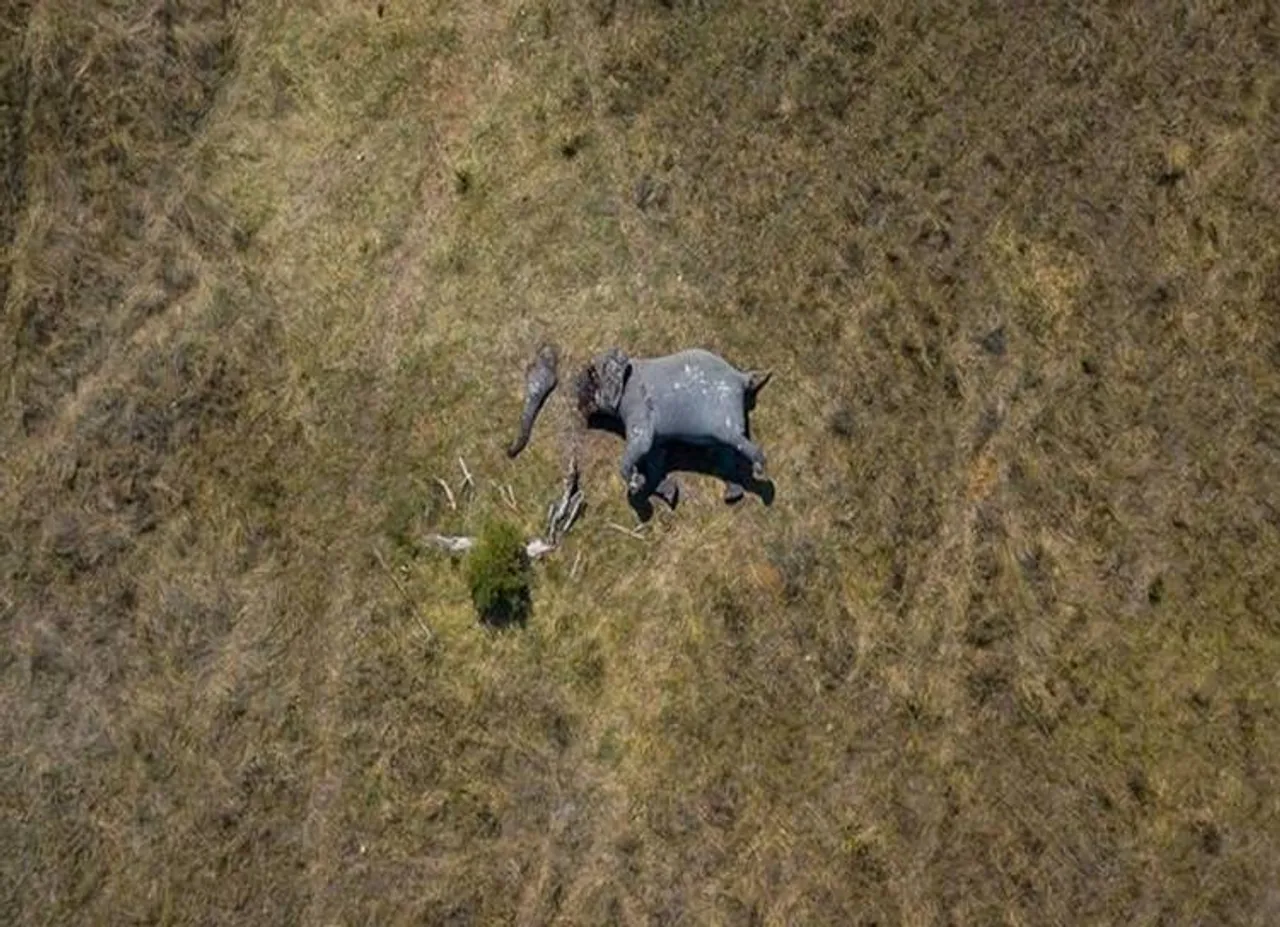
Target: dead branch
(636,532)
(535,548)
(467,481)
(454,545)
(538,548)
(562,514)
(448,494)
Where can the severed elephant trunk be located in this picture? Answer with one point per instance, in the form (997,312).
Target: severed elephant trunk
(539,381)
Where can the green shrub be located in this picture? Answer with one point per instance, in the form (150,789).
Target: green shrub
(499,574)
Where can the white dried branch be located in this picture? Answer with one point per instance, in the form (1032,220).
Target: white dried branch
(561,516)
(454,545)
(535,548)
(509,497)
(575,509)
(538,548)
(448,493)
(562,513)
(636,532)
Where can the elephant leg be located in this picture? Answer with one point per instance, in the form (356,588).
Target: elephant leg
(664,484)
(668,490)
(750,450)
(639,443)
(726,467)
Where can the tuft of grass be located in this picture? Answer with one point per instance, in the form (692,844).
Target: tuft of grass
(499,575)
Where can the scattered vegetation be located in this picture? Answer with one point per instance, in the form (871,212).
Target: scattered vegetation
(499,575)
(1002,650)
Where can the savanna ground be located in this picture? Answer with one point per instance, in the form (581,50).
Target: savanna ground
(1005,647)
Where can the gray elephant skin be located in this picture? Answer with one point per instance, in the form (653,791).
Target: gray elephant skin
(693,396)
(540,378)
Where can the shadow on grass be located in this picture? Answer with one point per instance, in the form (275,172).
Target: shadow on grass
(723,463)
(673,457)
(509,613)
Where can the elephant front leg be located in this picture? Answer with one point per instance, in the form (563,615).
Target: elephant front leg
(663,484)
(639,443)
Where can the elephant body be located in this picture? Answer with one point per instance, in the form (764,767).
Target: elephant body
(693,396)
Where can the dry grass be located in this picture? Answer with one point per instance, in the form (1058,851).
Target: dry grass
(1003,650)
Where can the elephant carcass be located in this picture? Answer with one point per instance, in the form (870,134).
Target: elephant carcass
(692,396)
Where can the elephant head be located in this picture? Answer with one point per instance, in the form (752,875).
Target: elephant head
(600,384)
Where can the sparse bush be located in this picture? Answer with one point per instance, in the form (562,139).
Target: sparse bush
(498,574)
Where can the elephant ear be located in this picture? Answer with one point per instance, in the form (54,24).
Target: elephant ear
(612,370)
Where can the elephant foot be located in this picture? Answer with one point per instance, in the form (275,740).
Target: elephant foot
(733,492)
(668,491)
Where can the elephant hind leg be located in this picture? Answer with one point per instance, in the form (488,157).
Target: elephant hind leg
(750,450)
(753,382)
(756,379)
(668,490)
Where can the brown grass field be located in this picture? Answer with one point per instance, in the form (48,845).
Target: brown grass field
(1005,647)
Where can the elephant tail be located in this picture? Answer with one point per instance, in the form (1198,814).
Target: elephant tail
(540,380)
(756,379)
